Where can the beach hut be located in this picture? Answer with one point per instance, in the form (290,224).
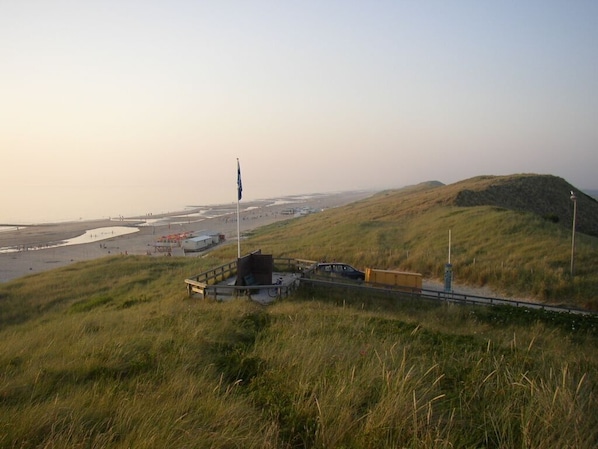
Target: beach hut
(198,243)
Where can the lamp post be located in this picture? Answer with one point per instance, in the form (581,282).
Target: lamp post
(574,199)
(448,270)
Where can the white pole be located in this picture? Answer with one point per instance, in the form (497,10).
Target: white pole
(449,258)
(238,216)
(238,233)
(574,198)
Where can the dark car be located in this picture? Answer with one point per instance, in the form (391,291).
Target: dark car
(336,269)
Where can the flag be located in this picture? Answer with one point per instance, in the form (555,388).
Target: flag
(239,184)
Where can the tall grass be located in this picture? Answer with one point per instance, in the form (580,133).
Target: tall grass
(516,253)
(141,376)
(139,365)
(112,354)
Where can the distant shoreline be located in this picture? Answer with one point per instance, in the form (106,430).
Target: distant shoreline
(164,212)
(220,218)
(89,236)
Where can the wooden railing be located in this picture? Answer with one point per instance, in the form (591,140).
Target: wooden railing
(208,283)
(199,283)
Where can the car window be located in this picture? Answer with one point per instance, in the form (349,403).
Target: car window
(337,268)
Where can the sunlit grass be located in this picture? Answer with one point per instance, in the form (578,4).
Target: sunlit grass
(140,365)
(112,354)
(515,253)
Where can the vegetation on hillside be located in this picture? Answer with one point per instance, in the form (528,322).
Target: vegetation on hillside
(516,252)
(112,354)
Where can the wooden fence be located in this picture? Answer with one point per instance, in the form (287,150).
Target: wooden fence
(209,283)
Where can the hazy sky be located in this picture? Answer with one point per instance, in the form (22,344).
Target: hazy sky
(117,107)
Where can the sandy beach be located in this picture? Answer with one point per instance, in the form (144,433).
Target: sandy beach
(36,248)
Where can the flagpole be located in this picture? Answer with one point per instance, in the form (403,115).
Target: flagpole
(239,194)
(238,234)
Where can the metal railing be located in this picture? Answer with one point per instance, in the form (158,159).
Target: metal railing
(452,297)
(463,298)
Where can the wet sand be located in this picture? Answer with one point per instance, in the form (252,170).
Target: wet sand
(29,259)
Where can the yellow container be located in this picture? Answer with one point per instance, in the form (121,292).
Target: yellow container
(393,278)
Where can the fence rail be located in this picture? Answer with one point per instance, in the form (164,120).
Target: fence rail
(206,284)
(453,297)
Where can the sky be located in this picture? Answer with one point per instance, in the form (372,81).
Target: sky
(122,107)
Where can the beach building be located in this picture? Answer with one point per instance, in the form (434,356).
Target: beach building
(203,241)
(197,243)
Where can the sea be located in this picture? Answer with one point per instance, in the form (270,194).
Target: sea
(57,205)
(89,236)
(45,206)
(61,204)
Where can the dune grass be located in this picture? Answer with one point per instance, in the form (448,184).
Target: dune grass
(515,253)
(140,365)
(112,354)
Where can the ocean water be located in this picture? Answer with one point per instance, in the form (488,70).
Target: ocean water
(89,236)
(56,204)
(8,228)
(60,204)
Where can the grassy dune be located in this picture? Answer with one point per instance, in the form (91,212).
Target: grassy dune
(516,252)
(111,353)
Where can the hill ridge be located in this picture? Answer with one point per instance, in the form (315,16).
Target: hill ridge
(547,196)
